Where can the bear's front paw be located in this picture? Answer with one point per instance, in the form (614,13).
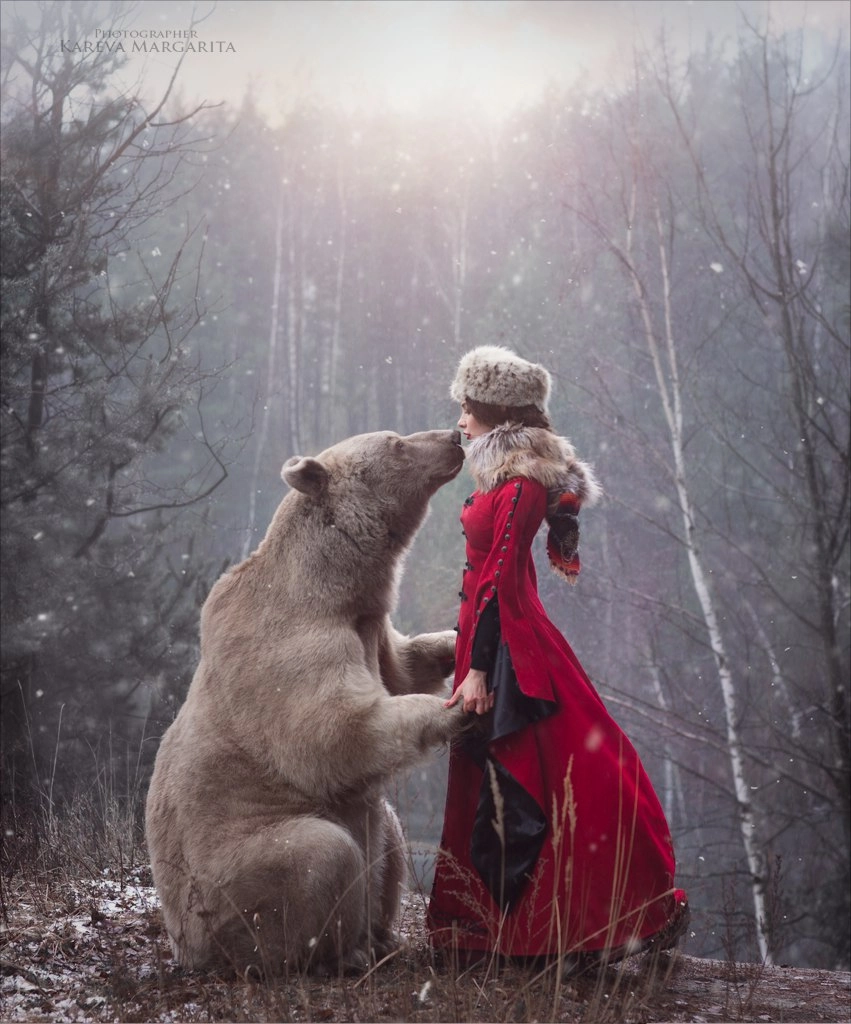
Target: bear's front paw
(446,666)
(444,656)
(460,721)
(445,725)
(431,659)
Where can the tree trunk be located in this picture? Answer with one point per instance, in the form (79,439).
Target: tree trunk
(673,798)
(328,384)
(295,309)
(271,370)
(663,354)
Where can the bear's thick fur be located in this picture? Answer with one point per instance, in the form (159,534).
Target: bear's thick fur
(270,839)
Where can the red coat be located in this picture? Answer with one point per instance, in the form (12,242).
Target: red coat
(590,847)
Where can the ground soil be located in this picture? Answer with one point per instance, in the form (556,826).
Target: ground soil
(97,951)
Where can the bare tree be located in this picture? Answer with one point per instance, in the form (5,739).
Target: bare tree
(788,252)
(638,229)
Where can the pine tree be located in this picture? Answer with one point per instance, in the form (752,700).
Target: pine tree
(96,375)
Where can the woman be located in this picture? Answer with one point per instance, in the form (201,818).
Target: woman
(554,841)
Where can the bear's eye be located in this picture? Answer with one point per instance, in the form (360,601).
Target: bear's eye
(400,445)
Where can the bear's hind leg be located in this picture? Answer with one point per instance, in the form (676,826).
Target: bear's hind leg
(296,900)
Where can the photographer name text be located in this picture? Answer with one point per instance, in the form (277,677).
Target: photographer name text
(145,41)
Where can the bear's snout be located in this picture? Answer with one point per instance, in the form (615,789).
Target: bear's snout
(438,453)
(456,457)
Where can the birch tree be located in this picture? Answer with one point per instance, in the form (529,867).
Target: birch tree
(784,257)
(638,229)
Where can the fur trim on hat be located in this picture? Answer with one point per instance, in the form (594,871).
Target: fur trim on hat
(497,376)
(510,450)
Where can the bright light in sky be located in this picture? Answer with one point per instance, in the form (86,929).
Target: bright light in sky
(405,54)
(413,54)
(416,54)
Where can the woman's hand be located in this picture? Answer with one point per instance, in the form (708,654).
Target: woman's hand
(474,692)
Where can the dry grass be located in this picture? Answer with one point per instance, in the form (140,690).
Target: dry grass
(96,950)
(83,940)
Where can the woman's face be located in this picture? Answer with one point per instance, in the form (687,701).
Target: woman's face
(469,426)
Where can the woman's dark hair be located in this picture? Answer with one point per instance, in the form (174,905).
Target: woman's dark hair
(496,415)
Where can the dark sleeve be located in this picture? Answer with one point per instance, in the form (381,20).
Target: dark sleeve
(486,640)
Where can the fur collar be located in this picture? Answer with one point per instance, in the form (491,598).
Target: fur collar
(511,450)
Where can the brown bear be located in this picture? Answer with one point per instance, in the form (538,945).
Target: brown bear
(270,839)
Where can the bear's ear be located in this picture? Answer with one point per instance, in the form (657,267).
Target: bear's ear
(306,475)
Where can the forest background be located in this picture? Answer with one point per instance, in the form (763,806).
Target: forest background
(193,293)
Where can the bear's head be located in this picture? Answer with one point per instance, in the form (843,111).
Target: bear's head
(374,488)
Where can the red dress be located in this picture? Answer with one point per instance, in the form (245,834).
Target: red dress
(554,840)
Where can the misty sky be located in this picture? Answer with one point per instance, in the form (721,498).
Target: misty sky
(410,54)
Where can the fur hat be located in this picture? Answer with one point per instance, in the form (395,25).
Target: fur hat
(497,376)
